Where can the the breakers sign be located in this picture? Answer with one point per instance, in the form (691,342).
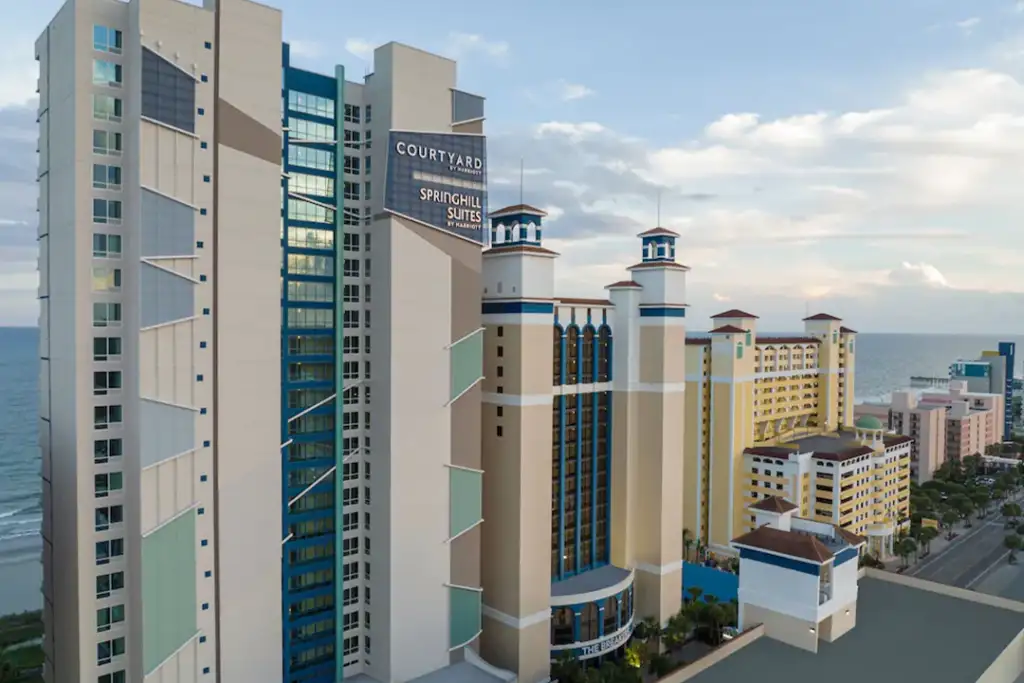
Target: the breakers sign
(439,179)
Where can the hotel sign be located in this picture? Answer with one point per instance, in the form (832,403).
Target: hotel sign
(439,179)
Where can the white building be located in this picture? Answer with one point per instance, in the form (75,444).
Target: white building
(159,175)
(798,577)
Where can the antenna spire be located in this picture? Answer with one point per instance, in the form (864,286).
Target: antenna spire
(658,204)
(522,174)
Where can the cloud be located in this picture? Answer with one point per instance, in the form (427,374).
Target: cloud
(968,25)
(895,205)
(462,45)
(573,91)
(307,49)
(360,48)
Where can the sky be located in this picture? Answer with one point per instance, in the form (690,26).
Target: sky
(864,159)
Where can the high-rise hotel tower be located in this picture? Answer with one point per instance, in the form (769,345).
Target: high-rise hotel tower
(234,459)
(583,450)
(159,169)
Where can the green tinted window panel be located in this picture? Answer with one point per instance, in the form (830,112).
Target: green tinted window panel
(466,497)
(465,620)
(467,363)
(168,589)
(739,351)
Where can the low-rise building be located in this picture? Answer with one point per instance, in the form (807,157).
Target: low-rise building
(858,479)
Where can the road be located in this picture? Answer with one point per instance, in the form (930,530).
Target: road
(967,559)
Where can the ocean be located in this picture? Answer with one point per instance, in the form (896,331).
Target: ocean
(885,362)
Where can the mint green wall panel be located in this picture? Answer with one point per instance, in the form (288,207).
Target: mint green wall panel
(467,362)
(466,496)
(465,619)
(168,589)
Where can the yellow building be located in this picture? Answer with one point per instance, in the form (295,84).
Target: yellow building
(773,415)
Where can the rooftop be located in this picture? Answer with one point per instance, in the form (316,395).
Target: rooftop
(917,633)
(459,672)
(776,504)
(588,582)
(734,313)
(799,544)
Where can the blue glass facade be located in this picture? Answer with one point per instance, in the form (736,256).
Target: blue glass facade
(310,358)
(1008,350)
(589,622)
(581,447)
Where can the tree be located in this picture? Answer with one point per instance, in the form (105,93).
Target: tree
(695,593)
(981,497)
(949,518)
(687,543)
(905,548)
(926,536)
(1011,511)
(1014,542)
(678,629)
(962,504)
(635,654)
(9,670)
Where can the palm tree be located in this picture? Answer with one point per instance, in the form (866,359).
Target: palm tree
(687,544)
(678,629)
(695,593)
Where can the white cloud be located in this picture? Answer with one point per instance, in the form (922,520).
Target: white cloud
(721,297)
(360,48)
(463,45)
(306,49)
(573,91)
(893,206)
(18,73)
(918,274)
(968,25)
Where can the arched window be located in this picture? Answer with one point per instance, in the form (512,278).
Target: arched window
(611,613)
(556,370)
(572,340)
(587,356)
(604,354)
(589,623)
(561,626)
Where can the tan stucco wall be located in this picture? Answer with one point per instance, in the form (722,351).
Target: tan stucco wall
(782,627)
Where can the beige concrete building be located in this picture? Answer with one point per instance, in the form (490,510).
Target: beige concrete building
(943,425)
(159,168)
(597,384)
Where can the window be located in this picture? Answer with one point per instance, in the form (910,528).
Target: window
(315,318)
(106,246)
(311,104)
(311,291)
(310,238)
(104,484)
(103,450)
(108,550)
(106,211)
(352,113)
(350,241)
(106,315)
(352,165)
(106,381)
(109,649)
(310,131)
(104,416)
(108,616)
(320,159)
(305,264)
(109,516)
(352,139)
(369,113)
(367,195)
(107,108)
(106,279)
(106,142)
(106,177)
(351,189)
(106,73)
(106,39)
(350,268)
(300,210)
(106,348)
(304,183)
(353,215)
(108,583)
(350,294)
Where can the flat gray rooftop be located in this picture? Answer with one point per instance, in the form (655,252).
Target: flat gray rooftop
(902,634)
(587,582)
(460,672)
(819,443)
